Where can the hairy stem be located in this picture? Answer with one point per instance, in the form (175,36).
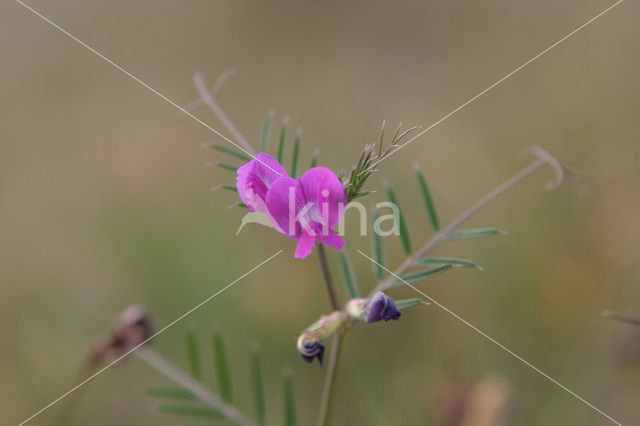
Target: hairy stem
(167,369)
(208,99)
(328,281)
(442,235)
(326,402)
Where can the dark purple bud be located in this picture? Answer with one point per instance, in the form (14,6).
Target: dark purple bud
(309,346)
(381,307)
(311,350)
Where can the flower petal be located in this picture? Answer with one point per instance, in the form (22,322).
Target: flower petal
(305,245)
(283,192)
(255,178)
(323,188)
(331,238)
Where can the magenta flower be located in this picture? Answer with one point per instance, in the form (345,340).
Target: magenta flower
(255,178)
(304,209)
(307,208)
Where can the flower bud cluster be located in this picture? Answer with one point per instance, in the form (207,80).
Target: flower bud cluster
(379,308)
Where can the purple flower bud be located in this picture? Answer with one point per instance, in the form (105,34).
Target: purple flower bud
(311,350)
(381,307)
(309,346)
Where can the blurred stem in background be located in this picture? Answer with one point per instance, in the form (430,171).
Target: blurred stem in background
(200,392)
(621,317)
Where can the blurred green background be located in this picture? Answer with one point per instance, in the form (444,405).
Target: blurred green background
(105,201)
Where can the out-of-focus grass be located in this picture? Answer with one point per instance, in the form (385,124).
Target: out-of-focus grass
(105,202)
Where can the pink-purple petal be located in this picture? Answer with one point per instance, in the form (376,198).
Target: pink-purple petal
(305,245)
(332,239)
(323,188)
(255,178)
(282,215)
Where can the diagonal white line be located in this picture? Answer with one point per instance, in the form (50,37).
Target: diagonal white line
(495,84)
(476,329)
(152,336)
(145,85)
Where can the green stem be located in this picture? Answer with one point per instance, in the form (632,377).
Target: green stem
(326,403)
(442,235)
(182,379)
(328,281)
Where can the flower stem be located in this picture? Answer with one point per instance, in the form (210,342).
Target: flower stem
(328,281)
(165,368)
(70,404)
(442,235)
(207,98)
(326,403)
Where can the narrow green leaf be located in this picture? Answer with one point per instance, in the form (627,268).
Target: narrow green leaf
(456,263)
(428,201)
(408,303)
(296,152)
(258,387)
(193,355)
(175,393)
(420,275)
(188,410)
(283,137)
(314,157)
(229,167)
(232,152)
(404,232)
(265,132)
(237,204)
(222,368)
(467,234)
(378,250)
(289,403)
(225,186)
(350,278)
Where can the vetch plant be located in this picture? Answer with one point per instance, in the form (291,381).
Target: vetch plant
(283,198)
(417,266)
(307,208)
